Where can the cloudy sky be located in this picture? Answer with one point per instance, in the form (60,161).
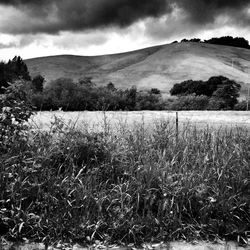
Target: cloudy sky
(32,28)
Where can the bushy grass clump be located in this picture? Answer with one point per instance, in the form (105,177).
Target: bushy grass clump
(132,185)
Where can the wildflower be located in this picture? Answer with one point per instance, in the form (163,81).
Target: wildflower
(212,200)
(13,121)
(6,109)
(3,116)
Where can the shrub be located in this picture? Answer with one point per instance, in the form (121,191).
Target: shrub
(217,104)
(37,83)
(150,100)
(228,92)
(14,70)
(15,112)
(242,106)
(222,91)
(190,102)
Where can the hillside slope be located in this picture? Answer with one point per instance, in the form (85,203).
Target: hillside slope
(159,66)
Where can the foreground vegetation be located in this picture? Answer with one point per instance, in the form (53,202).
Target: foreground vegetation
(132,185)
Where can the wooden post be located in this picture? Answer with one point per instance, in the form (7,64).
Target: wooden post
(248,97)
(177,127)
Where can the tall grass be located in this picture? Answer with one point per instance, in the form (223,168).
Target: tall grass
(128,185)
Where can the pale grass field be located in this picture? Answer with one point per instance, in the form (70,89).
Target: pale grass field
(99,119)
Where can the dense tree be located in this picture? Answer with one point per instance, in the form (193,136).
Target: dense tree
(14,70)
(131,95)
(86,82)
(223,91)
(225,40)
(190,102)
(150,100)
(242,105)
(3,77)
(230,41)
(195,40)
(190,87)
(18,69)
(155,91)
(60,93)
(216,104)
(69,95)
(228,92)
(37,83)
(111,87)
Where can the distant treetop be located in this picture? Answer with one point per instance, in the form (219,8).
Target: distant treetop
(225,40)
(217,88)
(13,70)
(230,41)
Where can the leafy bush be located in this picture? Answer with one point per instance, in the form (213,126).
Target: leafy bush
(223,92)
(190,102)
(38,83)
(217,104)
(13,70)
(15,111)
(150,100)
(228,93)
(191,87)
(242,106)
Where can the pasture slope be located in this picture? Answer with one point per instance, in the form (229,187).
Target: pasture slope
(159,66)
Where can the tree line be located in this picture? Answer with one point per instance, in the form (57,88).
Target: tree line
(217,93)
(11,71)
(69,95)
(224,40)
(64,93)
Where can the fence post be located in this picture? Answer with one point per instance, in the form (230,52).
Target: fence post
(248,90)
(177,127)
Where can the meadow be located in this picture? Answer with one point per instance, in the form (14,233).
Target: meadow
(71,182)
(97,119)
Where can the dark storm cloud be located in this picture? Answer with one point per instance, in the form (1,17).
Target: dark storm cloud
(52,16)
(60,15)
(206,11)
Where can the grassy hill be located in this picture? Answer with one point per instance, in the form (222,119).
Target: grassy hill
(159,66)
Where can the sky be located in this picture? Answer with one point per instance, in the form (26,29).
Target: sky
(34,28)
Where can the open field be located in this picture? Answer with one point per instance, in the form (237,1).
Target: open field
(96,120)
(156,67)
(131,185)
